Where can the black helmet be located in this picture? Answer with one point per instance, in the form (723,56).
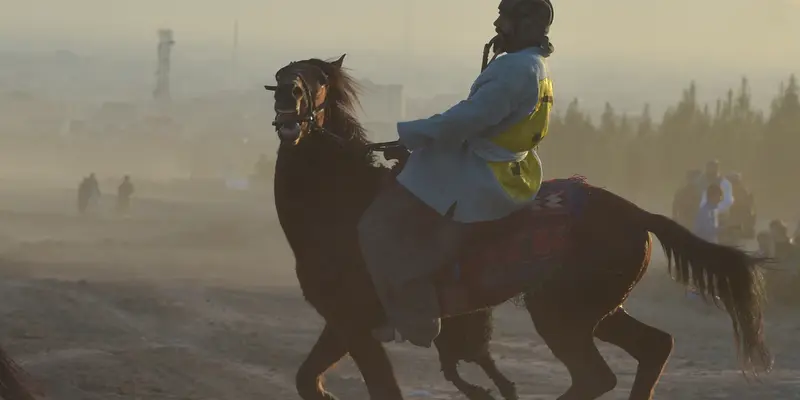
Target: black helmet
(526,8)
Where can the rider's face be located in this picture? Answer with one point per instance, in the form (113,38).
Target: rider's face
(504,24)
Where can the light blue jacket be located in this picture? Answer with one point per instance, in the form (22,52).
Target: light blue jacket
(448,163)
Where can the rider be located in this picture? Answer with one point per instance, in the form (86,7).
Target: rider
(474,162)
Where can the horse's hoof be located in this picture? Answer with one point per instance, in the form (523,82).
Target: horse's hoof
(509,393)
(480,394)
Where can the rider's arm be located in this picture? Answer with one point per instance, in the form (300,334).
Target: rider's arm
(727,195)
(510,85)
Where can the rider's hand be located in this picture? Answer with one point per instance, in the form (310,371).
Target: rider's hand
(399,153)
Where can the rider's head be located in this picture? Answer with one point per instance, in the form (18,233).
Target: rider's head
(522,24)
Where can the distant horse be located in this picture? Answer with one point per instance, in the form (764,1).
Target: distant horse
(575,255)
(12,380)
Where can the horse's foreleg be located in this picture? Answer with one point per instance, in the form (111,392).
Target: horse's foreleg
(375,366)
(13,380)
(507,388)
(326,352)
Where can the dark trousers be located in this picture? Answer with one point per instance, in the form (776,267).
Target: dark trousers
(404,243)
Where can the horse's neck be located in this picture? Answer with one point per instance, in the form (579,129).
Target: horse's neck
(319,197)
(325,178)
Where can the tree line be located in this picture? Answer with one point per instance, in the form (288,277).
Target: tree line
(637,156)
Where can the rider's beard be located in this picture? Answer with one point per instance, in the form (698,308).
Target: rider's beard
(498,43)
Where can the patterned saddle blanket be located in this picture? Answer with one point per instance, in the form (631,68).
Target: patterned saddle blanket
(518,250)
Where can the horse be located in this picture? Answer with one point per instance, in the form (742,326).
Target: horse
(332,276)
(325,177)
(13,380)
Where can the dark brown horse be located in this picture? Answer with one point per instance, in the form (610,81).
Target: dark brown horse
(325,178)
(329,266)
(13,380)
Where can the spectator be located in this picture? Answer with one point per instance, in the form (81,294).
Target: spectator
(712,177)
(124,193)
(766,246)
(706,224)
(780,236)
(742,214)
(684,204)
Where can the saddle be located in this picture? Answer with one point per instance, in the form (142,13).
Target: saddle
(512,255)
(515,254)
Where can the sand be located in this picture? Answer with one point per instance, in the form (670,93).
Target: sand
(190,299)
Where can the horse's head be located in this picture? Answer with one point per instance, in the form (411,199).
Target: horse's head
(308,94)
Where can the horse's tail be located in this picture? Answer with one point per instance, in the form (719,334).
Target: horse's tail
(13,380)
(726,276)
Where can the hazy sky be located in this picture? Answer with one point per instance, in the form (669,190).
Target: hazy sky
(633,50)
(747,33)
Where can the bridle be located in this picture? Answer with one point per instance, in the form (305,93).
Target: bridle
(312,110)
(310,114)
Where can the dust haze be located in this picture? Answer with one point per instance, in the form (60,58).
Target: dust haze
(191,293)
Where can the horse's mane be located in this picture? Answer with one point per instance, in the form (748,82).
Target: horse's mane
(343,91)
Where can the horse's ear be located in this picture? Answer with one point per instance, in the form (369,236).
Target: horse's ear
(338,63)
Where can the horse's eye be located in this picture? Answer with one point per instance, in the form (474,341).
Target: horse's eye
(297,92)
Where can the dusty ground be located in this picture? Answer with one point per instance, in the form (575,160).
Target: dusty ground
(197,300)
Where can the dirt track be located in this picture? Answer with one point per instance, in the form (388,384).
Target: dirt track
(190,300)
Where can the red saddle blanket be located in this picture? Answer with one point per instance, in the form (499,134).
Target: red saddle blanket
(516,252)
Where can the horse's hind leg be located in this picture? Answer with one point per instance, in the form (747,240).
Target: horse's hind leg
(374,364)
(570,337)
(649,346)
(464,337)
(326,352)
(472,392)
(507,388)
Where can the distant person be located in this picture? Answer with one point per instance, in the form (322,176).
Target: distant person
(766,246)
(124,193)
(706,223)
(742,214)
(712,176)
(784,245)
(796,235)
(94,191)
(684,204)
(88,193)
(83,195)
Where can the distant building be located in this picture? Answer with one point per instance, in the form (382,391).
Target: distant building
(381,103)
(424,108)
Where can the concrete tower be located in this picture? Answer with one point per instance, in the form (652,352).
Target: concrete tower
(165,43)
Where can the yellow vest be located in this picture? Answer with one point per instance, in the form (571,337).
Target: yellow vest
(521,180)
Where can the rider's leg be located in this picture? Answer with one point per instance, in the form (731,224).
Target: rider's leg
(404,242)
